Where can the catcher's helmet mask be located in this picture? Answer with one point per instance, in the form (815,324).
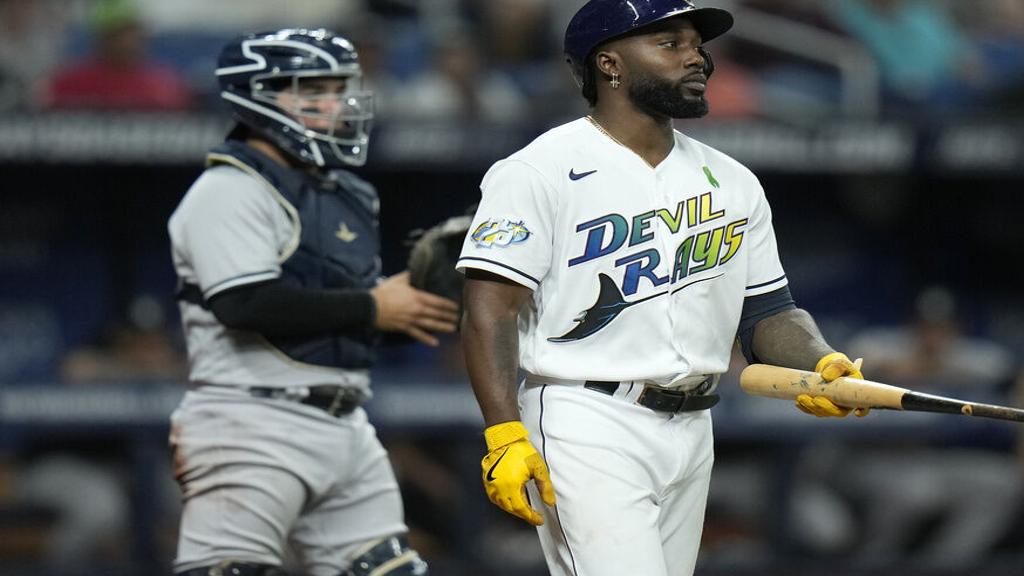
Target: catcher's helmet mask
(255,70)
(600,21)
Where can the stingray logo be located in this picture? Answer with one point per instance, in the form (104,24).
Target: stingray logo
(610,303)
(499,233)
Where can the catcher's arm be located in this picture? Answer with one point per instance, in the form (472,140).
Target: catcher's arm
(401,308)
(490,340)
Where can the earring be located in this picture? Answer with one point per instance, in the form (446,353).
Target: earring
(615,81)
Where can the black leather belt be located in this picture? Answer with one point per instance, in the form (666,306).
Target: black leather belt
(335,400)
(661,399)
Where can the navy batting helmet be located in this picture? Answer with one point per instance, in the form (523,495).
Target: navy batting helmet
(261,76)
(599,21)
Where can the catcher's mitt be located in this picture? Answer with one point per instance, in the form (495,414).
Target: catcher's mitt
(433,257)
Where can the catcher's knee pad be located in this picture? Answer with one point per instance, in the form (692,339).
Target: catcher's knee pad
(233,568)
(389,556)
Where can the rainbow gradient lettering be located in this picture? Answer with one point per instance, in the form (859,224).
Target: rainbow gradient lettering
(697,252)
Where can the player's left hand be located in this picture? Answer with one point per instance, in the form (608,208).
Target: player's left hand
(832,366)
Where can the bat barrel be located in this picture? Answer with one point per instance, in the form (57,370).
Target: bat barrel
(997,412)
(919,402)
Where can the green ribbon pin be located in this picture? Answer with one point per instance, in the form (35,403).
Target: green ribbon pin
(711,177)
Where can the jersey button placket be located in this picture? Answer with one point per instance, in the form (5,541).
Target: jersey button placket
(668,200)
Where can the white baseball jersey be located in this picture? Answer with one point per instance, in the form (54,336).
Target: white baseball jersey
(231,229)
(638,273)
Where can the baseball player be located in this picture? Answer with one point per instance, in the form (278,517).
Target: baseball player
(277,253)
(616,261)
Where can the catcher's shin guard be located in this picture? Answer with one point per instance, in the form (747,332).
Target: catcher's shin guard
(389,556)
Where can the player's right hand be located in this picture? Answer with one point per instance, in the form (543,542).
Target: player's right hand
(832,366)
(402,308)
(510,462)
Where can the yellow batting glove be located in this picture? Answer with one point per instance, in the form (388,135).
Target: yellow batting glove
(836,364)
(832,366)
(509,464)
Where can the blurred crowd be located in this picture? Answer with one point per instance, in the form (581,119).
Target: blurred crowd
(499,61)
(955,501)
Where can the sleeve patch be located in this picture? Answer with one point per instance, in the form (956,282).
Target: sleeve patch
(500,233)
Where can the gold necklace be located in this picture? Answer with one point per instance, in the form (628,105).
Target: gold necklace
(605,132)
(614,139)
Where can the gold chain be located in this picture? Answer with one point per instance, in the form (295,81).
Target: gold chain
(614,139)
(605,132)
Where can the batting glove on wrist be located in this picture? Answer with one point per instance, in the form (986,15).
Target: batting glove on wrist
(510,463)
(832,366)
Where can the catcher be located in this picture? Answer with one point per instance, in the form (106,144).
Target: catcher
(277,252)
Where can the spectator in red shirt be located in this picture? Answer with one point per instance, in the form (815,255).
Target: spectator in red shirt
(119,74)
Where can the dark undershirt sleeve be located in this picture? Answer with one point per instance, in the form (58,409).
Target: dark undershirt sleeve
(276,309)
(757,308)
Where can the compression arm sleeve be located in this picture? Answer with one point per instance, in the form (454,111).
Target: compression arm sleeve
(757,308)
(276,309)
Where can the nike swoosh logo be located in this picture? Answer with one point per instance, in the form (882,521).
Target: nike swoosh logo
(574,176)
(490,473)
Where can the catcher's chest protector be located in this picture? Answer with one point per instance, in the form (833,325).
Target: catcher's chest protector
(339,246)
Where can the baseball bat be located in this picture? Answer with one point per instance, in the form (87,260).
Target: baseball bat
(788,383)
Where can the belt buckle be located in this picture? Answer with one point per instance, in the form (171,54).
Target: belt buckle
(678,398)
(643,393)
(338,402)
(332,408)
(642,399)
(344,401)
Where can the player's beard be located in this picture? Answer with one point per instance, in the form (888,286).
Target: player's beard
(658,97)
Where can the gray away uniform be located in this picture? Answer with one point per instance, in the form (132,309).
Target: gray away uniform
(263,459)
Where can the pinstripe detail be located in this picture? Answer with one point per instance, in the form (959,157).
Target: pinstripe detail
(218,285)
(544,452)
(766,283)
(506,266)
(697,282)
